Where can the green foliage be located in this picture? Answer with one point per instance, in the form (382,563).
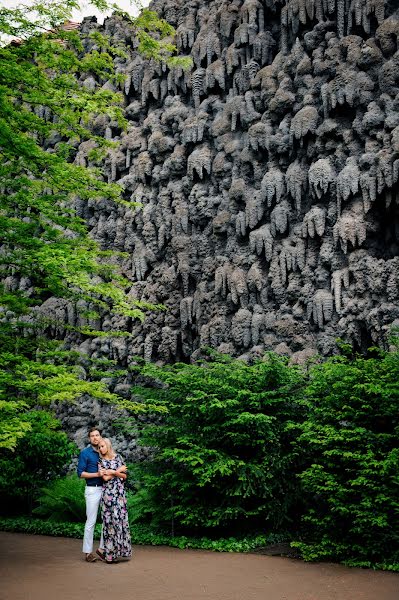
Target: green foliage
(36,372)
(139,534)
(41,527)
(13,428)
(23,20)
(38,458)
(45,113)
(238,444)
(155,37)
(62,500)
(223,458)
(351,438)
(44,241)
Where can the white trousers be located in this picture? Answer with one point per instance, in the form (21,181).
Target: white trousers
(92,497)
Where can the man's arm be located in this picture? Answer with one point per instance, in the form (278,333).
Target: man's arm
(86,475)
(82,465)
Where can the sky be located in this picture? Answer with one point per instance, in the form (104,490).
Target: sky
(86,9)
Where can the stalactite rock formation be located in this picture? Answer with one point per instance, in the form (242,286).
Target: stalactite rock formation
(267,176)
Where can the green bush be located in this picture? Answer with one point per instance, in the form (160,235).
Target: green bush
(41,527)
(140,535)
(351,481)
(223,460)
(43,454)
(243,449)
(63,500)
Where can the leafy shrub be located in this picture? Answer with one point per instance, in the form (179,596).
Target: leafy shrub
(228,451)
(41,527)
(39,457)
(140,535)
(351,481)
(63,500)
(223,459)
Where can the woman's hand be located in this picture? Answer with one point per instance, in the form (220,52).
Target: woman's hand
(106,473)
(110,472)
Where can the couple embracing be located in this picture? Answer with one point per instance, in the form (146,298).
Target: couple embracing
(105,474)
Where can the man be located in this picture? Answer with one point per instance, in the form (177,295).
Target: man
(88,469)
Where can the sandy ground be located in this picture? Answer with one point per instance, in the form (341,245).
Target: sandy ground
(46,568)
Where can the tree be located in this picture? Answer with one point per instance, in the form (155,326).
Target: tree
(351,480)
(222,459)
(45,248)
(38,459)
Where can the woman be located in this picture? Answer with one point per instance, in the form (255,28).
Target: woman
(116,532)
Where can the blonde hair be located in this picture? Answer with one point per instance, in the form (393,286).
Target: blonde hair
(110,451)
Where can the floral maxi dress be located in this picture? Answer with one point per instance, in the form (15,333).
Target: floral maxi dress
(116,531)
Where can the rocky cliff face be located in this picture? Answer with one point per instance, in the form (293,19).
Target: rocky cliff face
(268,177)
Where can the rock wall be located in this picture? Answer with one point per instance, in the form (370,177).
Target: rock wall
(268,177)
(113,422)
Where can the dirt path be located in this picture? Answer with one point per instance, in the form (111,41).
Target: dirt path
(45,568)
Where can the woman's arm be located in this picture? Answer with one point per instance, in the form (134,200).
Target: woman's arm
(111,473)
(122,470)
